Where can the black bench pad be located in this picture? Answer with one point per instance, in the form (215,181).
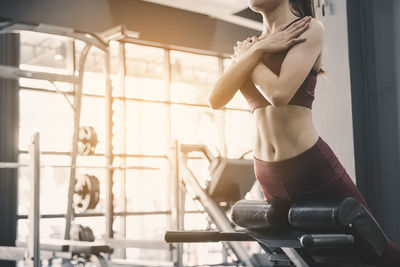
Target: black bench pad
(348,216)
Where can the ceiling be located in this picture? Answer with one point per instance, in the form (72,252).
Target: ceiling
(233,11)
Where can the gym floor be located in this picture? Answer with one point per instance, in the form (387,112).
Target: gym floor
(114,99)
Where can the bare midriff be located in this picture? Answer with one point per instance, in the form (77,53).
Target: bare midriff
(286,131)
(283,132)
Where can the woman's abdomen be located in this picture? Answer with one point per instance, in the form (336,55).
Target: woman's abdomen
(283,132)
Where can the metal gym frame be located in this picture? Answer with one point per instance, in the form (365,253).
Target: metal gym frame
(122,36)
(32,253)
(77,82)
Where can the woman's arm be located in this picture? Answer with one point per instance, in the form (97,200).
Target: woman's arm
(247,56)
(295,67)
(233,78)
(248,84)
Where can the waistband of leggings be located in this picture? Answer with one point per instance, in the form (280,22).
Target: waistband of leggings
(293,164)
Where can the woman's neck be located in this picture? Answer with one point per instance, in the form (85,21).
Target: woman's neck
(277,17)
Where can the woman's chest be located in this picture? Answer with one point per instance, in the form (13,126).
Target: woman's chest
(274,61)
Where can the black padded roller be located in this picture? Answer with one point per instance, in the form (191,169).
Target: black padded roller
(256,214)
(315,215)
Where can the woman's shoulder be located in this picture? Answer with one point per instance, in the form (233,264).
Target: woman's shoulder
(317,25)
(316,30)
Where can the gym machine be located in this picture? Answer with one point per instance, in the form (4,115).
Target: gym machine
(230,180)
(313,233)
(35,250)
(83,190)
(324,232)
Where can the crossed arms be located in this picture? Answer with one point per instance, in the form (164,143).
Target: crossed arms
(247,70)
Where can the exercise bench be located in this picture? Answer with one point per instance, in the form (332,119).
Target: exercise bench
(306,233)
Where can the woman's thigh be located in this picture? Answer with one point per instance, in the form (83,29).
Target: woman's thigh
(314,174)
(329,179)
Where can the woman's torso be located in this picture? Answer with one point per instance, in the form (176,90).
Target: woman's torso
(286,131)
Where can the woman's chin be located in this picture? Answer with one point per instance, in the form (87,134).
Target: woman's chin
(261,5)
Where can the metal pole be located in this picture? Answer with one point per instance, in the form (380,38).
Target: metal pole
(122,75)
(167,81)
(176,212)
(170,180)
(74,153)
(222,112)
(181,203)
(34,211)
(213,210)
(295,257)
(109,150)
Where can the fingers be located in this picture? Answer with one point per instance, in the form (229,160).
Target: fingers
(300,30)
(281,28)
(297,40)
(295,25)
(246,43)
(299,23)
(251,39)
(301,27)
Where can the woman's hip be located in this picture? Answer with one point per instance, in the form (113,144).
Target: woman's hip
(306,175)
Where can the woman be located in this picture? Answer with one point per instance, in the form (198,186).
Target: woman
(276,73)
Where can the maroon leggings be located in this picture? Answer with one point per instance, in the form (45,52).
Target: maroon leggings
(315,173)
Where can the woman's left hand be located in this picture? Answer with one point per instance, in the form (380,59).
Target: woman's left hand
(242,47)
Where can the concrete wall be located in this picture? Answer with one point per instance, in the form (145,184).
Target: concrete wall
(332,114)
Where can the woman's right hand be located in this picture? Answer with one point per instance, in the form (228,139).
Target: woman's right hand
(283,38)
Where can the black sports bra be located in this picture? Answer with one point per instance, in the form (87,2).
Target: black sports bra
(304,96)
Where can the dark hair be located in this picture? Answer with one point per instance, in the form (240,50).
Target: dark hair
(302,8)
